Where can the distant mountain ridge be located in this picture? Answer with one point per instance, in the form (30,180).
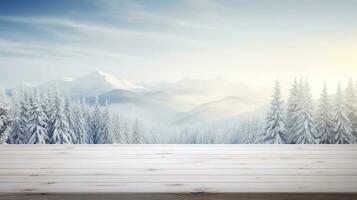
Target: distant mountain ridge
(93,84)
(187,101)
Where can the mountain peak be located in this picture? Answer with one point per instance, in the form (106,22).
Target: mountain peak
(92,84)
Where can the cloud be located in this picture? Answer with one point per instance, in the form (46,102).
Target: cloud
(81,37)
(168,20)
(58,51)
(98,28)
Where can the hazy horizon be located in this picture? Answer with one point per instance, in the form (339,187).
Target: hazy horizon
(265,89)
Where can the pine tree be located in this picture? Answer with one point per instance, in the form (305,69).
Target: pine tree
(48,99)
(80,123)
(59,133)
(4,116)
(37,122)
(136,133)
(324,118)
(105,137)
(19,129)
(351,106)
(342,124)
(275,128)
(15,117)
(306,128)
(95,124)
(292,109)
(68,112)
(257,131)
(86,111)
(125,131)
(30,103)
(115,129)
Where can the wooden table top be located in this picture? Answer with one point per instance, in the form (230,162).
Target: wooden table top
(185,171)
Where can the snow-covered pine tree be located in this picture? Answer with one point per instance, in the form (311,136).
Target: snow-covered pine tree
(31,103)
(5,121)
(19,128)
(351,106)
(306,127)
(248,136)
(37,123)
(15,116)
(80,123)
(255,131)
(115,129)
(48,98)
(86,111)
(125,132)
(105,137)
(275,127)
(59,133)
(342,124)
(292,108)
(95,123)
(250,131)
(68,112)
(137,137)
(154,139)
(324,119)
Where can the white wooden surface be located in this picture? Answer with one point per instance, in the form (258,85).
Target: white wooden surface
(185,171)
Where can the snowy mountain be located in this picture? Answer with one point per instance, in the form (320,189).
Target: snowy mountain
(93,84)
(99,82)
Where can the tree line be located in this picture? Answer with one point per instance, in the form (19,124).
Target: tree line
(28,116)
(334,121)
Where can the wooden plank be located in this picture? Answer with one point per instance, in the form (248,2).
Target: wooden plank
(178,172)
(181,196)
(177,187)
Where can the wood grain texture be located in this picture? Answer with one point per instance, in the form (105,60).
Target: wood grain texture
(178,172)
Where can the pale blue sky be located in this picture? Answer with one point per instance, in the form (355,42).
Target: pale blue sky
(253,41)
